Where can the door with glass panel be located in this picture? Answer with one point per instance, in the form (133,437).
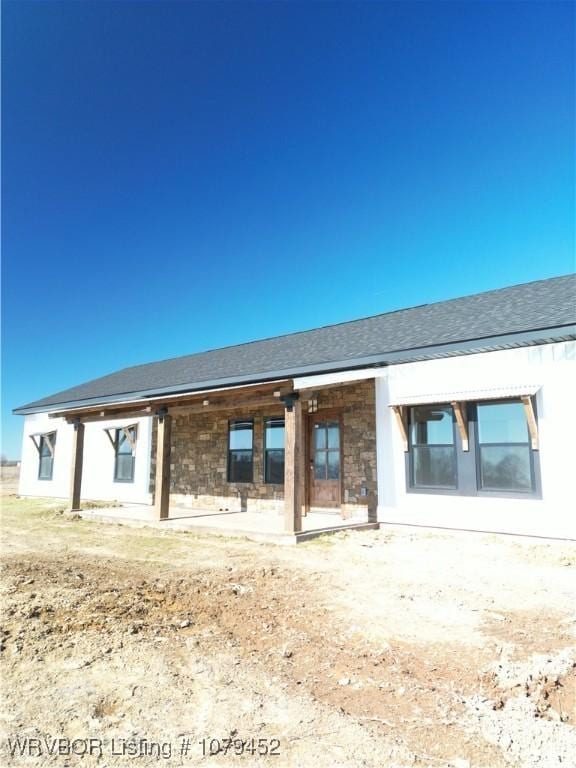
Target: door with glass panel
(325,462)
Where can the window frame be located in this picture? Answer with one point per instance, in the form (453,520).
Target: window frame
(436,489)
(117,432)
(534,491)
(229,451)
(468,462)
(50,456)
(265,449)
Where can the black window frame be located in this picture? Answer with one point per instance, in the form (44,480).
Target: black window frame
(265,450)
(230,451)
(119,431)
(419,488)
(468,479)
(534,490)
(49,456)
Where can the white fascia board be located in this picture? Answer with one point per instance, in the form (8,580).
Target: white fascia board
(339,377)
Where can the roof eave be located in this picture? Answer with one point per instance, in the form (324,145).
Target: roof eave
(469,346)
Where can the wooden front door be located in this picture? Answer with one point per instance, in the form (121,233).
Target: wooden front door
(325,470)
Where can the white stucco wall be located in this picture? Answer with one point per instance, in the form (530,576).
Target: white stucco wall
(98,468)
(553,367)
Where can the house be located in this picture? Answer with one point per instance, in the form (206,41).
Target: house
(458,414)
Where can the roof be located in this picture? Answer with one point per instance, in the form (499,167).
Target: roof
(530,313)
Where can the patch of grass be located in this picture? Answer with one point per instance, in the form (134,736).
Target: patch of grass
(99,504)
(41,525)
(23,505)
(325,541)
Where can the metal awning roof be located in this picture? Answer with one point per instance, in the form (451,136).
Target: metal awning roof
(448,396)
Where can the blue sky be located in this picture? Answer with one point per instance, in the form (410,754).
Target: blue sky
(181,176)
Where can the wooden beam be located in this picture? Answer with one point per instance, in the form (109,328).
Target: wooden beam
(76,470)
(146,407)
(162,486)
(126,431)
(462,421)
(48,438)
(528,404)
(109,436)
(101,413)
(105,416)
(229,405)
(196,407)
(129,437)
(294,470)
(401,413)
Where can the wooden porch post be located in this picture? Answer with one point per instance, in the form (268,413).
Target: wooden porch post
(162,487)
(76,470)
(294,471)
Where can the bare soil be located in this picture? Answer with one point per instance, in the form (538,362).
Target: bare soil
(382,648)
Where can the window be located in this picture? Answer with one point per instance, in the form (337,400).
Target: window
(504,452)
(46,449)
(326,446)
(274,451)
(502,457)
(240,451)
(124,450)
(432,447)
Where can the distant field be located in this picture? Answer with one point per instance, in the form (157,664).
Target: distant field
(9,477)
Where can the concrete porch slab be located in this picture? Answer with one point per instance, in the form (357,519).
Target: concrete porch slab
(257,526)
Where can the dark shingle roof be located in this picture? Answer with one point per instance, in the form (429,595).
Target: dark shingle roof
(446,327)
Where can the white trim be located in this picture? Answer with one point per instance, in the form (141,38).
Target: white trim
(493,393)
(340,377)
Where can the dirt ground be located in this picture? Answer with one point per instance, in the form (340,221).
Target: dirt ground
(385,648)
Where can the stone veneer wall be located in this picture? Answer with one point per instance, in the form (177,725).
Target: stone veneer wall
(199,456)
(358,407)
(199,464)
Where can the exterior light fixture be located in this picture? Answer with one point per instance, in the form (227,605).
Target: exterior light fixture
(313,403)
